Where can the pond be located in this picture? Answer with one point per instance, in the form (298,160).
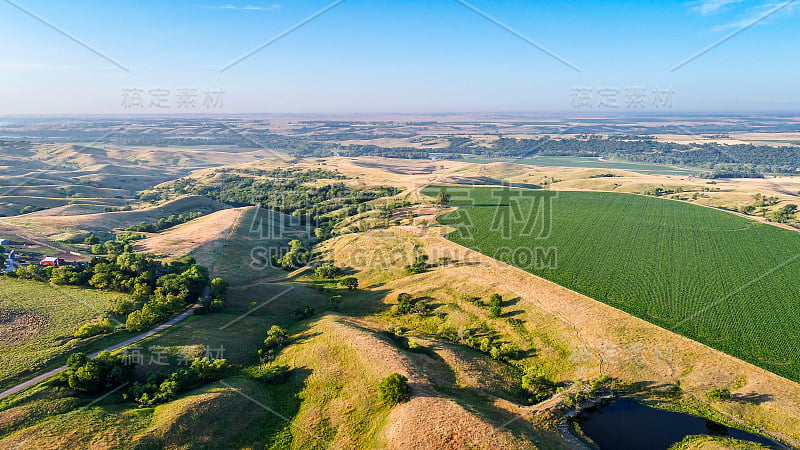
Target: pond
(625,424)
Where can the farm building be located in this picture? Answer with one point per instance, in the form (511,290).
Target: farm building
(10,265)
(52,261)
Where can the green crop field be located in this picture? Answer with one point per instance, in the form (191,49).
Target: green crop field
(588,163)
(720,279)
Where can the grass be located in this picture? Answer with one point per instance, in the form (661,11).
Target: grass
(588,162)
(720,279)
(39,321)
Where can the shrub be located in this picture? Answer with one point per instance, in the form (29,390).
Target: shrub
(335,301)
(93,329)
(504,352)
(349,282)
(327,271)
(394,389)
(719,394)
(406,304)
(274,374)
(216,305)
(420,265)
(304,312)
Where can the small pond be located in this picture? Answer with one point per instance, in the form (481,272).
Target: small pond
(625,425)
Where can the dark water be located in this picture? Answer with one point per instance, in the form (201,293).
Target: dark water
(626,425)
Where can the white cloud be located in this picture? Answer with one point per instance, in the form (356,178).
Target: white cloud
(760,14)
(708,7)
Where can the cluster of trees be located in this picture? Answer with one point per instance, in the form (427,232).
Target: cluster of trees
(104,372)
(162,387)
(286,191)
(327,271)
(784,214)
(165,222)
(121,243)
(731,170)
(296,257)
(172,293)
(495,304)
(157,290)
(407,304)
(294,173)
(722,160)
(485,340)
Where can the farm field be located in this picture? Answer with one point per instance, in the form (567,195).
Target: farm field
(38,320)
(720,279)
(588,162)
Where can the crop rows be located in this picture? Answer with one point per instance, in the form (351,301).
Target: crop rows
(720,279)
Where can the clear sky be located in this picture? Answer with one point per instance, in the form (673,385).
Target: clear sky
(397,56)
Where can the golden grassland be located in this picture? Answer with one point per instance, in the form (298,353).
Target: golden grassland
(460,396)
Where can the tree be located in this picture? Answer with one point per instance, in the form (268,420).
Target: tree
(276,340)
(335,301)
(304,312)
(350,283)
(296,257)
(538,386)
(495,311)
(327,271)
(218,288)
(393,389)
(495,300)
(443,199)
(405,303)
(276,337)
(719,394)
(91,239)
(419,265)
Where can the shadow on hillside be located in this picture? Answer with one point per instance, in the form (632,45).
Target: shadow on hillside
(752,397)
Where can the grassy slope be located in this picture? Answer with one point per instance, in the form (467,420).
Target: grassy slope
(324,355)
(64,227)
(692,269)
(46,317)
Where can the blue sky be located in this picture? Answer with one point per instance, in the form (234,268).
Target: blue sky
(399,56)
